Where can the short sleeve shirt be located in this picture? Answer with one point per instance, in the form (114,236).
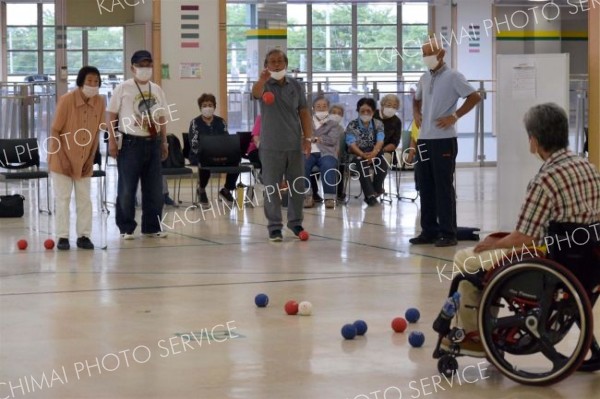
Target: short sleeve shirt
(280,126)
(133,111)
(439,92)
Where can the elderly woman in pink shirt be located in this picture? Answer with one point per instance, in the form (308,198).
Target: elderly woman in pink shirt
(73,145)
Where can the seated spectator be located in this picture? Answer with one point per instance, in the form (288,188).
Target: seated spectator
(209,124)
(390,104)
(364,138)
(566,189)
(324,152)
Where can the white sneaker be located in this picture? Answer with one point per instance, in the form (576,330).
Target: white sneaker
(127,236)
(158,234)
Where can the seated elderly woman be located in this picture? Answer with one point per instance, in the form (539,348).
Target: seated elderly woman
(324,152)
(566,189)
(390,104)
(207,123)
(364,138)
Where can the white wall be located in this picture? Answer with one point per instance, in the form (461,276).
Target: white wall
(183,93)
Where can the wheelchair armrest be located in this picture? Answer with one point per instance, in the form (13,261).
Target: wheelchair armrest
(499,234)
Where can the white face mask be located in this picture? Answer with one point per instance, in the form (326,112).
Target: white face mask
(207,112)
(389,112)
(431,61)
(278,75)
(321,115)
(143,74)
(366,118)
(336,118)
(90,91)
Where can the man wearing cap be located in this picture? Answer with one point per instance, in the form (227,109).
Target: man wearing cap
(138,141)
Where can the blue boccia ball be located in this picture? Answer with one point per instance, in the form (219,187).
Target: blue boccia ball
(361,327)
(416,339)
(412,315)
(349,331)
(261,300)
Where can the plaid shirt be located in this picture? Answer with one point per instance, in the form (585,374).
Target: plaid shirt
(566,189)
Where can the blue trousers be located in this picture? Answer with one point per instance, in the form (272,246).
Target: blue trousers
(328,169)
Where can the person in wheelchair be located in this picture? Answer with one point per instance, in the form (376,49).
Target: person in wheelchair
(566,189)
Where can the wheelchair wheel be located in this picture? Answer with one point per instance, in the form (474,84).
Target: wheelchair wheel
(535,322)
(447,365)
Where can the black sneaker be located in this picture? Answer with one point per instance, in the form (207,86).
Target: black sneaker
(204,200)
(168,200)
(446,242)
(422,240)
(63,244)
(372,201)
(225,195)
(275,236)
(297,230)
(84,243)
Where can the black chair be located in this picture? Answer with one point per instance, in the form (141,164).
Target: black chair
(22,160)
(180,173)
(222,154)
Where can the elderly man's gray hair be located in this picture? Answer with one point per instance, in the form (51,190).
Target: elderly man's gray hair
(549,124)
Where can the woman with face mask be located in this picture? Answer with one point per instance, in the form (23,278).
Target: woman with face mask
(364,138)
(324,152)
(390,104)
(74,143)
(207,123)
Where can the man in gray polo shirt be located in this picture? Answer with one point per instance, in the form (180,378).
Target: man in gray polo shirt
(435,113)
(285,137)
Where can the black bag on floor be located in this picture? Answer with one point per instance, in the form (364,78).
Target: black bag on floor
(467,233)
(11,206)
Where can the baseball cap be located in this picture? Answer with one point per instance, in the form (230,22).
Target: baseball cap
(141,55)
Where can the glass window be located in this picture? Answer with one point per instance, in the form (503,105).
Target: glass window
(21,38)
(49,62)
(108,38)
(377,13)
(74,38)
(21,14)
(382,36)
(332,36)
(106,61)
(415,13)
(296,14)
(74,61)
(337,60)
(297,59)
(296,37)
(49,36)
(374,60)
(340,14)
(48,14)
(22,62)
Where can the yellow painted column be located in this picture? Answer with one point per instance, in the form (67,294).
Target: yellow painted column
(222,56)
(156,47)
(594,84)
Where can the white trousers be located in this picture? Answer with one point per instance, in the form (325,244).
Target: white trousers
(63,187)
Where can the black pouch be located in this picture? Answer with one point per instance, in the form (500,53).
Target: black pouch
(11,206)
(467,234)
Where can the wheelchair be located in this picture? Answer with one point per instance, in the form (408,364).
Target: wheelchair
(535,315)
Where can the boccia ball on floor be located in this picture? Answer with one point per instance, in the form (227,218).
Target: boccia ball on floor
(291,307)
(305,308)
(261,300)
(399,324)
(22,245)
(416,339)
(49,243)
(349,331)
(361,327)
(412,315)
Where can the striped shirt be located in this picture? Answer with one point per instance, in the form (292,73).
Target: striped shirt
(566,189)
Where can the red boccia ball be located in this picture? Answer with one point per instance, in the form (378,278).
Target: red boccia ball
(49,243)
(399,324)
(268,97)
(291,307)
(22,244)
(303,235)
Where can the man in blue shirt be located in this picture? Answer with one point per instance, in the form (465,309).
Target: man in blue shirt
(435,113)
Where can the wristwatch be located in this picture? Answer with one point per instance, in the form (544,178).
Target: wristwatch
(455,116)
(309,139)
